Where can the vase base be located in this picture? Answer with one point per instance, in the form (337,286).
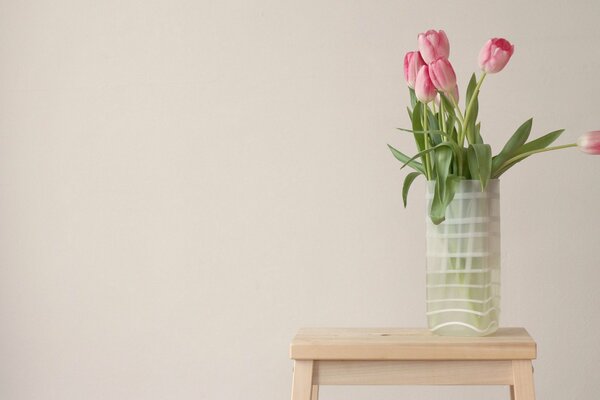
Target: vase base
(461,329)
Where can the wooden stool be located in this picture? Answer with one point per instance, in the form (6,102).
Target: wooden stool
(367,356)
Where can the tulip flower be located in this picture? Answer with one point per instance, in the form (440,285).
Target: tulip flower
(442,75)
(412,63)
(424,88)
(454,93)
(433,45)
(589,142)
(495,54)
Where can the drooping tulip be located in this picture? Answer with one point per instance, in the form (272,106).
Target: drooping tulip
(424,88)
(442,75)
(589,142)
(495,54)
(412,63)
(433,44)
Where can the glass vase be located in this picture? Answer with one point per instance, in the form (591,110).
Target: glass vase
(463,262)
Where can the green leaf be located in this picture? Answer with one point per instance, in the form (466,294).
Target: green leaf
(439,204)
(406,186)
(448,106)
(480,163)
(434,128)
(471,88)
(541,142)
(453,146)
(403,158)
(417,117)
(443,159)
(471,118)
(413,98)
(478,138)
(513,145)
(419,154)
(531,148)
(450,127)
(438,132)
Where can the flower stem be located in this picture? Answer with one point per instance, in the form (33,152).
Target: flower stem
(426,142)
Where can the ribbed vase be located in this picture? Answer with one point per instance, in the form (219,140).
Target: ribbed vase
(463,262)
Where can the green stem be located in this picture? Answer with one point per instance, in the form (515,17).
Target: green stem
(426,159)
(443,117)
(460,121)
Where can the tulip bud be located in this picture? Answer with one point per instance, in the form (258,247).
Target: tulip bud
(433,45)
(495,54)
(442,75)
(412,63)
(424,88)
(589,142)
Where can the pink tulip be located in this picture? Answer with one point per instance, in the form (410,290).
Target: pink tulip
(454,93)
(412,63)
(433,45)
(424,88)
(589,142)
(495,54)
(442,74)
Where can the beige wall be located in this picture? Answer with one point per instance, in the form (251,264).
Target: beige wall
(183,184)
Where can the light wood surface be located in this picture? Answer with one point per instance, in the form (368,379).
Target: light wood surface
(393,356)
(302,381)
(409,344)
(523,380)
(413,373)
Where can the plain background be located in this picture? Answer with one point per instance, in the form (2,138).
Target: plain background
(184,184)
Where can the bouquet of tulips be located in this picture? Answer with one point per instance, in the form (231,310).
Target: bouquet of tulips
(450,146)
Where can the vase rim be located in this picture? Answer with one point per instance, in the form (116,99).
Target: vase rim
(472,180)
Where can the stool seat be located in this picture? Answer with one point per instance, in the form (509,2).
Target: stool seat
(399,356)
(409,344)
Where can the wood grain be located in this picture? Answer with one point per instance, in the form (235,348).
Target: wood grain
(413,373)
(409,344)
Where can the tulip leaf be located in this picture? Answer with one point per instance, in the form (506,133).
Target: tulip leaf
(419,154)
(529,149)
(433,128)
(448,106)
(417,166)
(512,146)
(479,157)
(453,146)
(439,203)
(417,117)
(443,159)
(413,97)
(438,132)
(478,138)
(406,186)
(471,88)
(541,142)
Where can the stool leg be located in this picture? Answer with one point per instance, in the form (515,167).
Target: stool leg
(302,381)
(523,388)
(315,392)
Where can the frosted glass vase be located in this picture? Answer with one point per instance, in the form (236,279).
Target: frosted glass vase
(463,262)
